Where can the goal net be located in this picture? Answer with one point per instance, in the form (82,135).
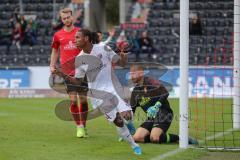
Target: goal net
(214,99)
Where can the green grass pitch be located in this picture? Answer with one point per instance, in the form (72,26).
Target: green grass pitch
(29,130)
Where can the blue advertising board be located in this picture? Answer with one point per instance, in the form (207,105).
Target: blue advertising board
(204,81)
(14,78)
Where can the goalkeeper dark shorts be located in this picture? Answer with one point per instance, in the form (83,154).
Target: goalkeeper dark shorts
(163,120)
(81,88)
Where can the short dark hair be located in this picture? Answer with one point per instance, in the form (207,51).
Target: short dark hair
(99,32)
(86,33)
(92,36)
(95,39)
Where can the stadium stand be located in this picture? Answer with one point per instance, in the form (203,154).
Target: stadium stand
(214,46)
(217,28)
(28,55)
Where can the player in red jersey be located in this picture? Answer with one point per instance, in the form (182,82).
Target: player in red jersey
(63,44)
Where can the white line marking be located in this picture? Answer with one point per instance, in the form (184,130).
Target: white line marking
(168,154)
(217,135)
(178,150)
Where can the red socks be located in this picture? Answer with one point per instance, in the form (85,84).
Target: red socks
(83,110)
(75,113)
(79,114)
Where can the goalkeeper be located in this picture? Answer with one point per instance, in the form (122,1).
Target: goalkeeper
(151,96)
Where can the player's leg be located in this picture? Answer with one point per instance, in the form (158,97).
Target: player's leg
(80,91)
(83,111)
(142,135)
(143,132)
(71,90)
(160,126)
(128,120)
(74,107)
(111,112)
(159,136)
(126,113)
(83,105)
(125,134)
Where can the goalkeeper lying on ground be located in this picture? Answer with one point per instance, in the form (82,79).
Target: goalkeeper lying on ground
(151,96)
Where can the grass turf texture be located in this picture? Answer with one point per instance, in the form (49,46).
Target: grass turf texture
(29,130)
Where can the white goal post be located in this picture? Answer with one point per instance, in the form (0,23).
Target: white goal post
(184,65)
(236,68)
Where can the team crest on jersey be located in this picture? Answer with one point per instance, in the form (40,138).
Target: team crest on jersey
(99,55)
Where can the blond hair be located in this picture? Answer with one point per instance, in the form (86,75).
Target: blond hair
(65,10)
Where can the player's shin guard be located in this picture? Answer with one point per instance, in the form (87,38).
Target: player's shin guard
(168,138)
(125,134)
(75,113)
(83,113)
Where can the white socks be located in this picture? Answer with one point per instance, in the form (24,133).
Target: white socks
(125,134)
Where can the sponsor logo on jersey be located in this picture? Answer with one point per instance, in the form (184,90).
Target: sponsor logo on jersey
(69,46)
(144,100)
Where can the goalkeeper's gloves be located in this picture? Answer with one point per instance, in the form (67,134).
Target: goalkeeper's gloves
(153,110)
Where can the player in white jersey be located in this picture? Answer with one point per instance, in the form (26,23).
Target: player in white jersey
(96,62)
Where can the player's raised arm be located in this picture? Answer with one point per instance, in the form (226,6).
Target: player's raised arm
(123,59)
(120,60)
